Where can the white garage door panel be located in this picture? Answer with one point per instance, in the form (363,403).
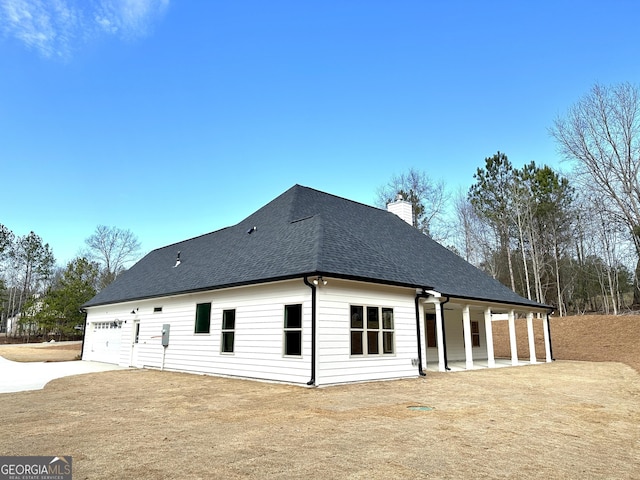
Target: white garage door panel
(105,343)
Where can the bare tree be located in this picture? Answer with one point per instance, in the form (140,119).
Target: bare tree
(112,248)
(520,213)
(6,244)
(608,241)
(601,133)
(475,238)
(466,218)
(427,197)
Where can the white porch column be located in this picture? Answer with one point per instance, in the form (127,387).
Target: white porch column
(439,337)
(547,341)
(488,330)
(512,338)
(468,346)
(532,338)
(423,332)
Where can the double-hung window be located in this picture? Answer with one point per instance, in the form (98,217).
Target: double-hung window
(293,330)
(475,334)
(372,330)
(228,330)
(387,331)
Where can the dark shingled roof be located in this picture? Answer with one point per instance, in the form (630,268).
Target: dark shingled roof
(306,232)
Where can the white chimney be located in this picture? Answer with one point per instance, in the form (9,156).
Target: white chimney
(401,208)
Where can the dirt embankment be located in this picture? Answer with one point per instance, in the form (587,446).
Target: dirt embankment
(593,338)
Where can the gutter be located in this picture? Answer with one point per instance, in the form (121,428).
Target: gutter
(538,306)
(312,380)
(549,334)
(211,288)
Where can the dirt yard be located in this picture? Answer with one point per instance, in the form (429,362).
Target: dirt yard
(561,420)
(41,352)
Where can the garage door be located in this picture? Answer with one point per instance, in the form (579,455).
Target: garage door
(105,341)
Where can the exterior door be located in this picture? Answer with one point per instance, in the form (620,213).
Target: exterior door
(135,336)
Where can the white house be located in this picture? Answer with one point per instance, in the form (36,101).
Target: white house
(311,289)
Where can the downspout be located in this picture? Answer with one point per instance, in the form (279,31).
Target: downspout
(549,334)
(417,302)
(84,331)
(312,380)
(444,336)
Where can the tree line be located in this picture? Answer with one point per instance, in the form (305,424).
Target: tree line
(41,300)
(532,230)
(572,241)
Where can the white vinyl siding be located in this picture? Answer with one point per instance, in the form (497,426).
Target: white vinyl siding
(259,333)
(336,364)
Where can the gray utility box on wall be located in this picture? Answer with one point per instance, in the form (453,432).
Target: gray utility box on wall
(165,334)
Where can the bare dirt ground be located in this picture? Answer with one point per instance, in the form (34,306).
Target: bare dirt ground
(566,419)
(594,338)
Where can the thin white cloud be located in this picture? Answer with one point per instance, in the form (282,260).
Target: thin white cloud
(129,18)
(55,28)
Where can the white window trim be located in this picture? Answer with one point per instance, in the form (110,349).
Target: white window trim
(365,343)
(292,329)
(228,330)
(195,318)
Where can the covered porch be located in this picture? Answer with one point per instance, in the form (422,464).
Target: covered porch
(457,334)
(460,366)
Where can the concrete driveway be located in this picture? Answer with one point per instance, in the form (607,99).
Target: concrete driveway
(22,376)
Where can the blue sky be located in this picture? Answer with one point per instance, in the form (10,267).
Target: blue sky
(177,118)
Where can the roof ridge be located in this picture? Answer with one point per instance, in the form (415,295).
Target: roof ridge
(339,197)
(302,231)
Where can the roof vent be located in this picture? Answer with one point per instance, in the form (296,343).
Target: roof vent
(402,208)
(177,260)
